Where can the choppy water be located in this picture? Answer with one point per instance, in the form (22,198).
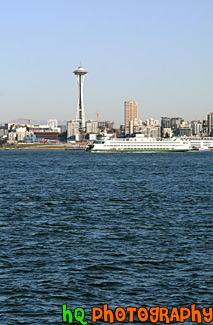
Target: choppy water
(86,229)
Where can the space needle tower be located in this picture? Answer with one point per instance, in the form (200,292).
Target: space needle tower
(80,116)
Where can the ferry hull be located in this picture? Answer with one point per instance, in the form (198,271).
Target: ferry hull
(138,150)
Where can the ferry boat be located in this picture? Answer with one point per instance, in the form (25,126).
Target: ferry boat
(201,144)
(139,143)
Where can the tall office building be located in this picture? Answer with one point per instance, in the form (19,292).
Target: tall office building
(205,128)
(210,123)
(166,122)
(130,113)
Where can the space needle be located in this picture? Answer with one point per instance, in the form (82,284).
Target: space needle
(80,116)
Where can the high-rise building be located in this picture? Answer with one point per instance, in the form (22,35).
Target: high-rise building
(135,126)
(91,126)
(176,122)
(72,129)
(196,128)
(210,123)
(165,126)
(204,128)
(130,113)
(165,122)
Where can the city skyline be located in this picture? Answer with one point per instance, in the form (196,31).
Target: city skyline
(155,53)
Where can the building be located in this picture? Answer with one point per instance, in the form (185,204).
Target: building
(165,122)
(130,113)
(155,132)
(3,131)
(12,136)
(175,123)
(47,135)
(165,126)
(196,128)
(172,124)
(205,128)
(210,124)
(20,133)
(135,126)
(63,128)
(91,126)
(102,125)
(152,131)
(151,122)
(185,131)
(53,124)
(72,129)
(166,132)
(30,137)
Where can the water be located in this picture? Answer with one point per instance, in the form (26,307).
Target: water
(85,229)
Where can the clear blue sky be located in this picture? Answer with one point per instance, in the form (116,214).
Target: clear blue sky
(157,52)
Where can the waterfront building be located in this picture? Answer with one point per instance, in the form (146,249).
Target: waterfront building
(175,123)
(131,127)
(185,131)
(63,128)
(165,126)
(40,128)
(166,132)
(185,124)
(102,125)
(53,124)
(20,134)
(196,128)
(205,128)
(120,133)
(165,122)
(31,138)
(210,124)
(12,136)
(130,113)
(135,126)
(3,132)
(122,128)
(47,135)
(91,126)
(155,132)
(72,128)
(151,122)
(80,115)
(151,131)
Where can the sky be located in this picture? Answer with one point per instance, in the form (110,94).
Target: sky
(156,52)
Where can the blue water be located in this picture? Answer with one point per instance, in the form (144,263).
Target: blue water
(84,229)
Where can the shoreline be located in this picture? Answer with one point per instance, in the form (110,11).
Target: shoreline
(41,147)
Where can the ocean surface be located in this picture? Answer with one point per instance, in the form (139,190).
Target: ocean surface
(87,229)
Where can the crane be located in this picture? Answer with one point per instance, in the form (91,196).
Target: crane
(26,119)
(97,114)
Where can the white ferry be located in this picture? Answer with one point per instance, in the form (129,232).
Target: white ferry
(139,143)
(201,144)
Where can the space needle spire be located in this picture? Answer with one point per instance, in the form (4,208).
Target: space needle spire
(80,116)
